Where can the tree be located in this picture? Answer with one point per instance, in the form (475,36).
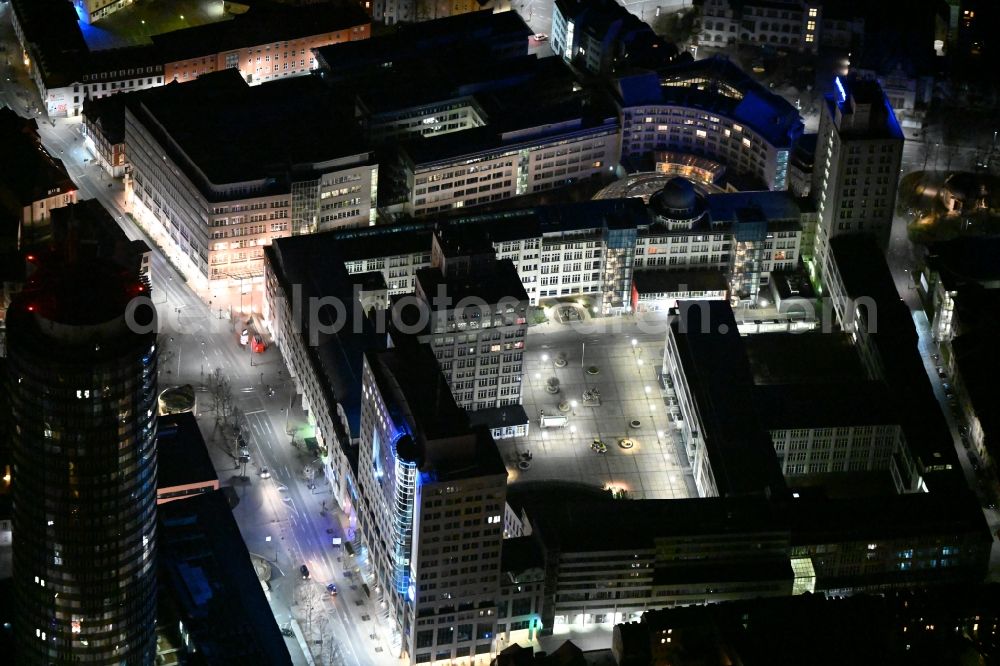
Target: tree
(950,154)
(924,153)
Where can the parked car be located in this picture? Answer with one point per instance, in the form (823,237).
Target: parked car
(304,570)
(540,37)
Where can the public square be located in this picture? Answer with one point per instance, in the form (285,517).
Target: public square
(631,408)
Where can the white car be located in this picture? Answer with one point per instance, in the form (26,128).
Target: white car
(540,37)
(265,473)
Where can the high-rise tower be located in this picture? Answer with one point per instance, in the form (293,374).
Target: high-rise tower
(858,153)
(81,376)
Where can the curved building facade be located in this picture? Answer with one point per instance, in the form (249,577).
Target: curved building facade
(82,385)
(709,108)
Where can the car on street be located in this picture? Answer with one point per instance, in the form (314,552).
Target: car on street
(540,37)
(265,473)
(332,589)
(304,570)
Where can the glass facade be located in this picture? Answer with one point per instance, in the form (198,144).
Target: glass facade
(83,401)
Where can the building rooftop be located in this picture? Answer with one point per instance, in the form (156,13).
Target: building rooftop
(28,173)
(609,524)
(182,457)
(416,393)
(489,285)
(775,207)
(715,85)
(520,554)
(108,114)
(803,358)
(712,352)
(656,282)
(862,110)
(966,260)
(237,142)
(207,571)
(498,417)
(265,23)
(501,32)
(821,405)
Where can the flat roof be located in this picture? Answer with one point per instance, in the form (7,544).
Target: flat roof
(608,524)
(715,364)
(775,206)
(489,284)
(882,123)
(648,282)
(182,456)
(499,417)
(207,569)
(804,358)
(791,406)
(265,23)
(237,142)
(28,172)
(700,84)
(966,260)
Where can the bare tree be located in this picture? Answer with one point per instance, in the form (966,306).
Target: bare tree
(924,153)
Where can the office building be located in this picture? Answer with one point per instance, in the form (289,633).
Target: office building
(431,501)
(711,109)
(81,373)
(91,11)
(858,153)
(476,321)
(212,200)
(32,182)
(795,25)
(888,628)
(599,35)
(213,608)
(269,42)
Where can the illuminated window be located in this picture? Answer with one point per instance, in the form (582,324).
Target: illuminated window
(811,25)
(737,128)
(648,119)
(809,38)
(746,142)
(727,132)
(812,12)
(701,133)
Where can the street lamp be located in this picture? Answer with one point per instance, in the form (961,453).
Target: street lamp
(572,404)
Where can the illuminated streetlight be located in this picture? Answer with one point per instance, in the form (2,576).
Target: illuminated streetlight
(572,404)
(648,390)
(634,342)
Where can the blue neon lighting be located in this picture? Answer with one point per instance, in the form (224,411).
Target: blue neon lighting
(841,93)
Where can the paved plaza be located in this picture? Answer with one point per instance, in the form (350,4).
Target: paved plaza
(631,408)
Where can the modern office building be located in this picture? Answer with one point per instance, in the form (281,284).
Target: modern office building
(81,373)
(708,108)
(212,200)
(32,182)
(476,321)
(431,501)
(856,171)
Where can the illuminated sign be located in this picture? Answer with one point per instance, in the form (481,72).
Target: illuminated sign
(841,93)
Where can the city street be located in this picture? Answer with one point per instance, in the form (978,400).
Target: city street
(195,340)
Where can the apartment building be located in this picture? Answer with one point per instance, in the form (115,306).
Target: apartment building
(431,498)
(212,200)
(32,182)
(795,25)
(858,156)
(708,108)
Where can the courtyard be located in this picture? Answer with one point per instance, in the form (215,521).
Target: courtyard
(134,25)
(597,383)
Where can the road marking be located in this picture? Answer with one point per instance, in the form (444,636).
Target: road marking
(256,411)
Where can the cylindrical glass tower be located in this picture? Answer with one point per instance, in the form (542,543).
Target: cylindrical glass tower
(82,384)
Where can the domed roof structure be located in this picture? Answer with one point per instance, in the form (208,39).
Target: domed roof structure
(678,200)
